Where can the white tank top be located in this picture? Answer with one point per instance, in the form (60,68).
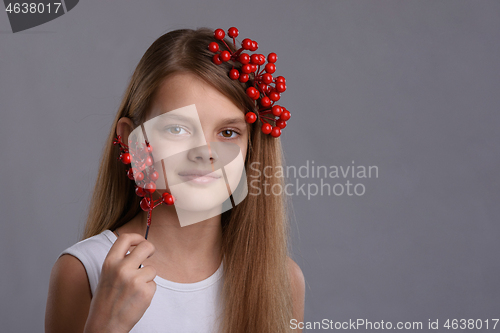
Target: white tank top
(175,307)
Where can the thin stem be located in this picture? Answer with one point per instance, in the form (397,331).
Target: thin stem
(273,119)
(159,202)
(226,45)
(237,53)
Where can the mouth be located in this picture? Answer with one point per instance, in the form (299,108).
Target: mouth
(199,176)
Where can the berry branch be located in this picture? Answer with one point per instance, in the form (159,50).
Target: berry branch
(144,175)
(265,89)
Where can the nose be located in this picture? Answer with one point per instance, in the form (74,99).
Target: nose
(203,154)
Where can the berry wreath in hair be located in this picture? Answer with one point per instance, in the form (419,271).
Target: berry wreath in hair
(265,89)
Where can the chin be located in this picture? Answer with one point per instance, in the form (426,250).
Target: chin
(198,200)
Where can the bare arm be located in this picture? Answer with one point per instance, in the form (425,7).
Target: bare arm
(69,297)
(298,291)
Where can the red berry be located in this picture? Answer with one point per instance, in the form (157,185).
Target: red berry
(262,59)
(281,123)
(130,174)
(154,176)
(277,110)
(233,32)
(265,101)
(149,160)
(270,68)
(257,95)
(219,34)
(243,78)
(250,117)
(139,176)
(254,67)
(280,87)
(267,78)
(246,68)
(272,57)
(285,115)
(266,128)
(252,93)
(140,191)
(234,74)
(255,59)
(244,58)
(151,187)
(274,96)
(262,87)
(225,56)
(216,59)
(254,47)
(145,204)
(280,79)
(141,167)
(276,131)
(149,148)
(213,46)
(246,43)
(126,158)
(168,198)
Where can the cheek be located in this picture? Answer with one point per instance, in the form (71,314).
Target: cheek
(243,148)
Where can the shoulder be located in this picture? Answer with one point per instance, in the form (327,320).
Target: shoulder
(89,254)
(68,272)
(73,280)
(104,240)
(91,248)
(69,296)
(296,275)
(298,289)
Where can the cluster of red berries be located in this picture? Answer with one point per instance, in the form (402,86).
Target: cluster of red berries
(265,88)
(144,174)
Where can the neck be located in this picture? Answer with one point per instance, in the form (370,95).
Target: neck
(195,245)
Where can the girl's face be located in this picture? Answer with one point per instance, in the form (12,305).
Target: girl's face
(199,140)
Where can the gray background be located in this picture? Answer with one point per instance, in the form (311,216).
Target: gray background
(409,86)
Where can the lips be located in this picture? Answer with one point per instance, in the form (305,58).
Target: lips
(199,176)
(198,173)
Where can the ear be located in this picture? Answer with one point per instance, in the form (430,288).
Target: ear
(123,128)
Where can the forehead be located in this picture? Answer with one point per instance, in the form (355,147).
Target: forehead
(183,89)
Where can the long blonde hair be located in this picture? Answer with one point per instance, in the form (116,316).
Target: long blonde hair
(256,291)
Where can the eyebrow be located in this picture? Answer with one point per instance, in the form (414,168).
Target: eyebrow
(224,121)
(231,121)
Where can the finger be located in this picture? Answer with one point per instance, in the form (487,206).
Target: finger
(122,244)
(147,273)
(142,251)
(152,285)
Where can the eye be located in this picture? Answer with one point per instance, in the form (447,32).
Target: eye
(229,133)
(175,130)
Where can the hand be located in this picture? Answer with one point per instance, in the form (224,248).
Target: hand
(124,291)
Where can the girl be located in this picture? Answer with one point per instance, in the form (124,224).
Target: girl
(228,273)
